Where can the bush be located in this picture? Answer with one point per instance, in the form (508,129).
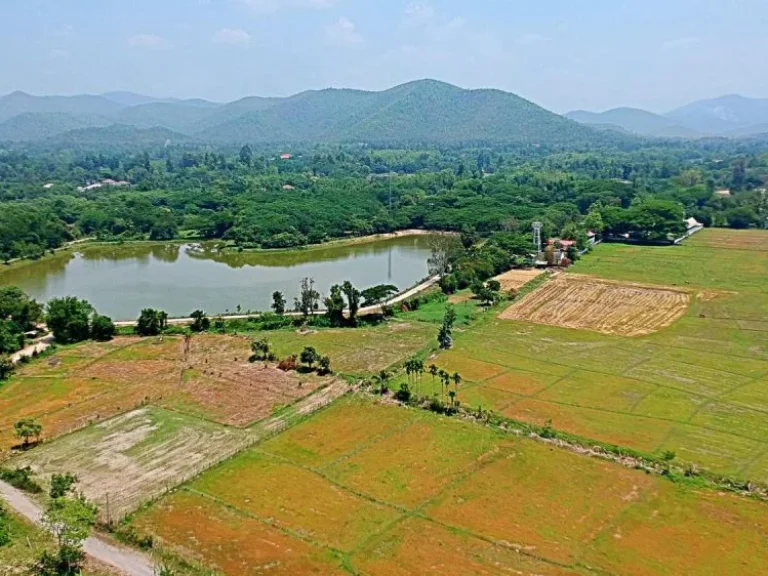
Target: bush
(325,364)
(151,322)
(404,394)
(21,478)
(5,532)
(61,484)
(103,329)
(291,363)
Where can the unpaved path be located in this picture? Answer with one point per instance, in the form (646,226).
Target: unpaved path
(40,345)
(127,561)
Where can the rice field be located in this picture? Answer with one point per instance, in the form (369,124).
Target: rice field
(424,494)
(698,387)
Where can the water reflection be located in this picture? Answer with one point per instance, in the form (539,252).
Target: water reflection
(120,280)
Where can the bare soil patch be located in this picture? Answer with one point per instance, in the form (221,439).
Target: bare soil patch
(220,382)
(516,279)
(587,303)
(124,461)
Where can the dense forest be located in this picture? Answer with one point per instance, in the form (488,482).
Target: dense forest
(264,199)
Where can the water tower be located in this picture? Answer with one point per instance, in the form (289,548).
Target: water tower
(537,226)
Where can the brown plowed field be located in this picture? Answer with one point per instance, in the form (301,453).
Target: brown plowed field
(732,239)
(608,307)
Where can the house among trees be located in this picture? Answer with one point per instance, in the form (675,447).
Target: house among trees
(285,156)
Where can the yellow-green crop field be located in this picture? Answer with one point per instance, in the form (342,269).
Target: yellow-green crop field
(698,388)
(368,488)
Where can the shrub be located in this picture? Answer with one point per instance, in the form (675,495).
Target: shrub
(404,394)
(103,329)
(21,478)
(289,364)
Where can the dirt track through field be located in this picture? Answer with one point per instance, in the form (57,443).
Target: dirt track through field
(128,562)
(581,302)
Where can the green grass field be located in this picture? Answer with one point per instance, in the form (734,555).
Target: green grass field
(698,388)
(366,488)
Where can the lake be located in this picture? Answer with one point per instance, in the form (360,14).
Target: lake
(122,280)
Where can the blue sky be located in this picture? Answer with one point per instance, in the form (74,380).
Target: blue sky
(562,54)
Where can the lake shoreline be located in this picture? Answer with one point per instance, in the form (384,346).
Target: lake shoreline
(75,245)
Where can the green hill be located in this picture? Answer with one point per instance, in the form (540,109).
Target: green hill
(37,126)
(635,121)
(424,111)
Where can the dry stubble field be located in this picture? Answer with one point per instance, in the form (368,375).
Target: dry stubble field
(574,301)
(372,489)
(698,387)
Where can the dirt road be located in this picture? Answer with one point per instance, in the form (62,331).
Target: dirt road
(129,562)
(37,346)
(363,311)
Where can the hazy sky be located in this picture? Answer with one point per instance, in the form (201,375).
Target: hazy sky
(562,54)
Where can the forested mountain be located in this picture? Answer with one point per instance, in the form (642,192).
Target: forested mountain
(424,111)
(724,114)
(636,121)
(18,103)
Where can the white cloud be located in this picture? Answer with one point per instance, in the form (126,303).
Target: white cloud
(149,42)
(418,14)
(232,36)
(272,6)
(343,33)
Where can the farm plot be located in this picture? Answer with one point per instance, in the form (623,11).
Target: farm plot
(359,351)
(207,376)
(429,495)
(697,388)
(586,303)
(516,279)
(218,382)
(731,239)
(131,458)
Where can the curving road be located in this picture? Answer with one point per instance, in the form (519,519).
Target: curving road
(363,311)
(127,561)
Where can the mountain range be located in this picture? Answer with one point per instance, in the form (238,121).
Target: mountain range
(424,111)
(730,116)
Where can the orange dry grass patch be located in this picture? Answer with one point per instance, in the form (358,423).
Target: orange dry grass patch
(547,503)
(428,456)
(420,547)
(296,499)
(332,433)
(471,370)
(607,307)
(516,279)
(678,531)
(237,545)
(523,383)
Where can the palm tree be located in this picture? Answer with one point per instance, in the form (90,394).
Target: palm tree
(444,380)
(433,371)
(456,379)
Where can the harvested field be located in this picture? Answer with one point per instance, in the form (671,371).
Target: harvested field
(209,377)
(606,307)
(428,495)
(731,239)
(516,279)
(126,460)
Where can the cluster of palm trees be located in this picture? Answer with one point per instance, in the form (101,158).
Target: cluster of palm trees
(415,368)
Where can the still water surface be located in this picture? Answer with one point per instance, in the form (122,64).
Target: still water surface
(121,280)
